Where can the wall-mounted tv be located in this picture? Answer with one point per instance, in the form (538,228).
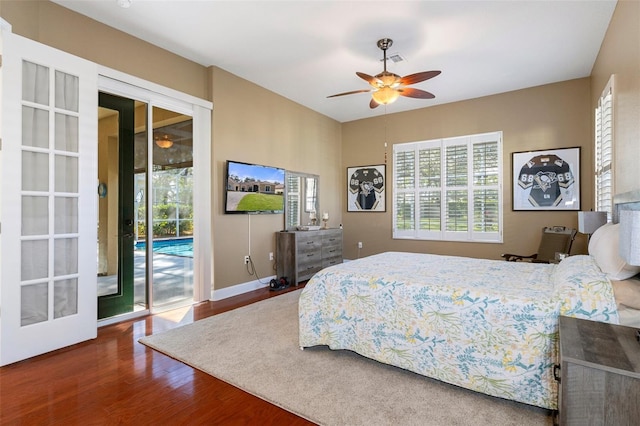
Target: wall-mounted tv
(253,189)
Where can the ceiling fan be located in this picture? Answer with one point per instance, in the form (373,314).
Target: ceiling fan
(386,87)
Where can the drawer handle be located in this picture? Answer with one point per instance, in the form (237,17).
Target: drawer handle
(310,254)
(556,372)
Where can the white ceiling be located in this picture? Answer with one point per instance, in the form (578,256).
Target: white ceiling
(307,50)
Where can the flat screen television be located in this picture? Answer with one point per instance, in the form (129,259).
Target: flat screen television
(253,189)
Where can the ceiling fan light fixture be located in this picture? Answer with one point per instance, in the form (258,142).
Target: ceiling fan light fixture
(385,95)
(164,142)
(388,80)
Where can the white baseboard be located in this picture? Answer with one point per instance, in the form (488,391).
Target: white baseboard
(238,289)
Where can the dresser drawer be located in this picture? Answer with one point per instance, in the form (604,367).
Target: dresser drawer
(305,274)
(332,238)
(331,251)
(330,261)
(309,258)
(307,243)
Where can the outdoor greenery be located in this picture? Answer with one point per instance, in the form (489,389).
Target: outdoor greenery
(256,201)
(172,204)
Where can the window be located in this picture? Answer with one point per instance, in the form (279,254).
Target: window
(449,189)
(293,200)
(604,151)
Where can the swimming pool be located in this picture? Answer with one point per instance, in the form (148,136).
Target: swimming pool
(174,247)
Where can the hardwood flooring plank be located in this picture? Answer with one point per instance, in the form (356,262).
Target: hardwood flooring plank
(114,380)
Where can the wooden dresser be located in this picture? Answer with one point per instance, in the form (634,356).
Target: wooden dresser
(300,254)
(599,373)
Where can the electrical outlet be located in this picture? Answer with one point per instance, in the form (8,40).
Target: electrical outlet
(359,244)
(246,260)
(271,255)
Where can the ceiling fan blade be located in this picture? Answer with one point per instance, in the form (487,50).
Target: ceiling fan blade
(415,93)
(368,78)
(350,93)
(418,77)
(373,104)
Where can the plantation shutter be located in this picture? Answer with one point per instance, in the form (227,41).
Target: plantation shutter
(604,151)
(448,189)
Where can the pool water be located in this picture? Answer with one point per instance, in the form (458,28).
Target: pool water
(174,247)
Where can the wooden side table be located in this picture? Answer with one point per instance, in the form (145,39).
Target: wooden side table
(599,373)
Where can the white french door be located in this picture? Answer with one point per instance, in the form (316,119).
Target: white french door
(48,182)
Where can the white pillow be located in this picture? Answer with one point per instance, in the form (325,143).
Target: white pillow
(603,246)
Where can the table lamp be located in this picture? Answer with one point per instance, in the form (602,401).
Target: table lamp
(588,222)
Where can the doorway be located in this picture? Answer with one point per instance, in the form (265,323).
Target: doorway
(145,214)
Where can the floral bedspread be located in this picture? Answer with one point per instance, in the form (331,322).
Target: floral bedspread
(486,325)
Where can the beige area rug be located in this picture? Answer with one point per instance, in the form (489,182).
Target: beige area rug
(256,349)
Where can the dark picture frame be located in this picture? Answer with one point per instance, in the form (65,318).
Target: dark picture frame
(366,188)
(546,180)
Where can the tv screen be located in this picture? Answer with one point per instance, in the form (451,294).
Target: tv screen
(252,188)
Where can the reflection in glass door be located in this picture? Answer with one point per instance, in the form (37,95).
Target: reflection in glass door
(115,260)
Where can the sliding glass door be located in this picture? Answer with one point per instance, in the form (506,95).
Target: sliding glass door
(146,214)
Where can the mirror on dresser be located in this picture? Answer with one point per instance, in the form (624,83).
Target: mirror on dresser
(301,199)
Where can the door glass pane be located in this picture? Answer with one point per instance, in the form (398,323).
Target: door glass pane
(172,213)
(66,91)
(35,171)
(65,256)
(140,162)
(65,298)
(66,215)
(34,303)
(108,182)
(35,127)
(35,83)
(35,259)
(66,174)
(66,138)
(35,215)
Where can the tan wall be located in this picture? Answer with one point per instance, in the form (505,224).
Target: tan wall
(620,55)
(546,117)
(250,124)
(71,32)
(254,125)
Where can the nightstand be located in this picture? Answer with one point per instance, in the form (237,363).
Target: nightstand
(599,374)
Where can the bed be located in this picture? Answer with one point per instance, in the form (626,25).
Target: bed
(486,325)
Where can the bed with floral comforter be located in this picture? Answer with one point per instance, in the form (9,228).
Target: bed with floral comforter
(486,325)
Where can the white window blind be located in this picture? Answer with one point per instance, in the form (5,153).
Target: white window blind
(604,151)
(448,189)
(293,201)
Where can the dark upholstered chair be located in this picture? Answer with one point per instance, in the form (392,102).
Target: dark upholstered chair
(555,239)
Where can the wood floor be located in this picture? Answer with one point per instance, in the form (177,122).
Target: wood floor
(114,380)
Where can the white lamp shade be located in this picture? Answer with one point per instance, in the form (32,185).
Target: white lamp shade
(588,222)
(630,236)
